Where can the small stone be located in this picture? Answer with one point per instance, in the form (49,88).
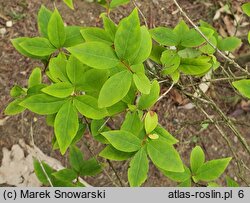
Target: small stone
(35,119)
(3,31)
(9,23)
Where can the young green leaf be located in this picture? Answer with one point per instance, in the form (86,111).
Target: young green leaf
(132,123)
(65,175)
(14,108)
(175,76)
(163,133)
(97,35)
(88,107)
(57,68)
(186,183)
(189,53)
(97,127)
(16,91)
(109,26)
(95,54)
(142,83)
(56,31)
(243,86)
(213,184)
(115,3)
(138,168)
(197,159)
(37,89)
(171,61)
(66,126)
(231,182)
(179,29)
(42,104)
(39,171)
(207,48)
(148,100)
(178,176)
(246,8)
(144,49)
(75,71)
(248,37)
(90,167)
(37,46)
(35,77)
(75,158)
(60,90)
(115,89)
(195,66)
(43,18)
(229,43)
(151,121)
(212,170)
(73,36)
(123,140)
(164,156)
(164,36)
(69,3)
(113,154)
(128,36)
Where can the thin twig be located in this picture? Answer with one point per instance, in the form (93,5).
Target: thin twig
(165,93)
(207,40)
(143,16)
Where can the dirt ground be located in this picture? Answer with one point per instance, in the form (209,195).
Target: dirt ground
(184,123)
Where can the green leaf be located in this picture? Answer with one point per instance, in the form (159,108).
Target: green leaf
(66,125)
(14,108)
(212,170)
(42,104)
(178,176)
(57,68)
(95,54)
(128,36)
(69,3)
(142,83)
(115,89)
(93,80)
(65,175)
(115,3)
(189,53)
(197,159)
(37,46)
(97,35)
(37,89)
(243,86)
(194,39)
(148,100)
(35,77)
(175,76)
(16,43)
(179,29)
(164,36)
(159,130)
(117,108)
(171,61)
(156,53)
(132,123)
(75,158)
(39,171)
(16,91)
(248,37)
(164,156)
(231,182)
(229,44)
(138,168)
(186,183)
(151,121)
(113,154)
(73,36)
(246,8)
(109,26)
(213,184)
(88,107)
(196,66)
(123,140)
(75,71)
(97,127)
(43,18)
(60,90)
(144,49)
(90,167)
(56,31)
(207,48)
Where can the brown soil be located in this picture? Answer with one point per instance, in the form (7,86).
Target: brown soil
(184,124)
